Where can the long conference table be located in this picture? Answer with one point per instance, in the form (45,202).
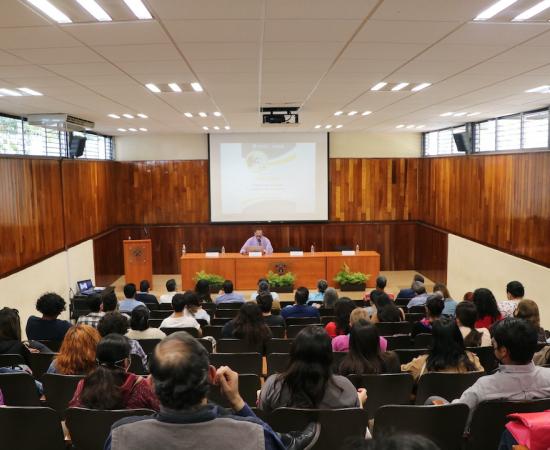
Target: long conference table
(309,268)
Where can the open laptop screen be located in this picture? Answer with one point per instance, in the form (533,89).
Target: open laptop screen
(84,285)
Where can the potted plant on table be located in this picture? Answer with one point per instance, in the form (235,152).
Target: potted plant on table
(215,281)
(281,283)
(351,281)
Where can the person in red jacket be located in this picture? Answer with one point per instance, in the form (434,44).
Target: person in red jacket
(487,309)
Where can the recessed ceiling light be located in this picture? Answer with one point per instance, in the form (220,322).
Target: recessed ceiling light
(196,87)
(188,114)
(143,129)
(338,113)
(132,129)
(473,114)
(143,116)
(409,126)
(51,11)
(366,113)
(174,87)
(400,126)
(217,113)
(399,86)
(420,126)
(447,114)
(459,114)
(533,11)
(317,126)
(227,127)
(352,113)
(30,92)
(139,9)
(216,128)
(420,86)
(494,9)
(114,116)
(378,86)
(122,130)
(128,116)
(95,10)
(339,126)
(328,126)
(203,114)
(205,128)
(539,90)
(10,92)
(152,87)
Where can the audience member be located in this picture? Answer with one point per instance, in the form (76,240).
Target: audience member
(410,292)
(94,316)
(171,291)
(178,318)
(341,343)
(77,355)
(10,334)
(229,296)
(487,309)
(110,385)
(316,297)
(384,309)
(381,282)
(300,309)
(115,322)
(248,325)
(468,296)
(48,327)
(202,289)
(129,303)
(466,316)
(194,309)
(264,288)
(421,296)
(139,325)
(144,296)
(109,302)
(434,307)
(364,355)
(514,294)
(308,381)
(450,304)
(265,302)
(342,310)
(447,354)
(330,297)
(528,310)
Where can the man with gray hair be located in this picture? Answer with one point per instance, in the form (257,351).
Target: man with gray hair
(421,295)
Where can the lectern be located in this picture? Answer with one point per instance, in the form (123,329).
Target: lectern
(138,261)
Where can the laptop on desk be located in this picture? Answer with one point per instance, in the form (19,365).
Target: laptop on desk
(86,287)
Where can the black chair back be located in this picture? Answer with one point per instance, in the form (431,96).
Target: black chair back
(486,357)
(293,330)
(327,319)
(238,346)
(89,428)
(239,362)
(391,328)
(192,331)
(59,390)
(39,363)
(165,306)
(398,341)
(19,389)
(202,322)
(414,317)
(220,320)
(31,428)
(447,385)
(359,302)
(54,346)
(285,303)
(79,306)
(423,340)
(278,345)
(444,425)
(233,305)
(210,308)
(406,355)
(278,332)
(249,385)
(136,365)
(384,389)
(400,302)
(207,344)
(213,330)
(11,360)
(148,345)
(155,323)
(419,309)
(226,313)
(277,362)
(326,311)
(161,314)
(302,321)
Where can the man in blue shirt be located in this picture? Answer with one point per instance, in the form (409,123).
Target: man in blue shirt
(129,303)
(421,295)
(300,309)
(228,295)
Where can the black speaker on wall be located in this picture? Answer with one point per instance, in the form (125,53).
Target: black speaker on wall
(77,144)
(463,140)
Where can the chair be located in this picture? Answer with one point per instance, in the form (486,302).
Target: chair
(406,355)
(220,320)
(54,346)
(238,346)
(235,305)
(418,309)
(210,308)
(423,340)
(401,302)
(447,385)
(31,428)
(275,345)
(239,362)
(391,328)
(337,425)
(486,357)
(293,330)
(136,365)
(360,303)
(326,311)
(161,314)
(165,306)
(39,363)
(277,362)
(207,344)
(302,321)
(202,322)
(278,332)
(152,306)
(11,360)
(384,389)
(231,313)
(327,319)
(148,345)
(249,385)
(285,303)
(78,306)
(414,317)
(444,425)
(19,389)
(398,341)
(213,330)
(89,428)
(155,323)
(59,390)
(192,331)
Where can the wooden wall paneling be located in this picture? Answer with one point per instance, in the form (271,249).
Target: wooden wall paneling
(431,248)
(108,257)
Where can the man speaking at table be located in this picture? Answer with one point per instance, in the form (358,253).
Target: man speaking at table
(258,242)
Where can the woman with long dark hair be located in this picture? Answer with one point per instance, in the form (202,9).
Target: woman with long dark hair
(248,325)
(202,289)
(10,334)
(487,308)
(385,308)
(308,381)
(342,310)
(466,316)
(364,355)
(447,353)
(110,385)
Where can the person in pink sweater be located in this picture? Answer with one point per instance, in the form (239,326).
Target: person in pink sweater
(341,343)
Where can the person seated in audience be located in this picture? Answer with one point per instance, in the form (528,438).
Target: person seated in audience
(434,307)
(421,295)
(248,325)
(384,309)
(300,309)
(109,302)
(399,441)
(110,385)
(487,309)
(381,282)
(528,310)
(171,291)
(341,343)
(447,354)
(115,322)
(263,288)
(364,355)
(178,319)
(330,297)
(468,296)
(229,296)
(308,381)
(202,289)
(466,316)
(181,377)
(410,292)
(317,297)
(450,304)
(265,302)
(139,325)
(194,309)
(144,296)
(94,316)
(341,325)
(10,335)
(129,302)
(48,327)
(77,355)
(514,294)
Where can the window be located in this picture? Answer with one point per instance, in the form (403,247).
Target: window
(485,136)
(440,142)
(535,129)
(11,136)
(509,133)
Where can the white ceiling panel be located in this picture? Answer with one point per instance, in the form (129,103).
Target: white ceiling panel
(99,68)
(172,68)
(35,37)
(443,53)
(16,14)
(440,10)
(347,68)
(222,50)
(383,51)
(301,50)
(139,53)
(7,59)
(120,33)
(318,9)
(310,30)
(215,30)
(22,71)
(495,33)
(227,66)
(399,31)
(206,9)
(292,66)
(66,55)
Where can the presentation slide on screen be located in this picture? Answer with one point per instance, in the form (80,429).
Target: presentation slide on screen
(268,177)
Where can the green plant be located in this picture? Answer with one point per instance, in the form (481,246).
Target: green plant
(212,278)
(276,280)
(346,276)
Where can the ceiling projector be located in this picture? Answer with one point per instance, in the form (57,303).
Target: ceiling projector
(281,115)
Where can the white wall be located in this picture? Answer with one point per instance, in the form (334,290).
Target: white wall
(471,265)
(375,145)
(55,274)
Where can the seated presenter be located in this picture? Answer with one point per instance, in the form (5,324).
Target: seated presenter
(258,242)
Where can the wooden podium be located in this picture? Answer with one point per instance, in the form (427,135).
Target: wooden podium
(138,261)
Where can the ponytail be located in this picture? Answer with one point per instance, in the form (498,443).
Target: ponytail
(102,389)
(473,339)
